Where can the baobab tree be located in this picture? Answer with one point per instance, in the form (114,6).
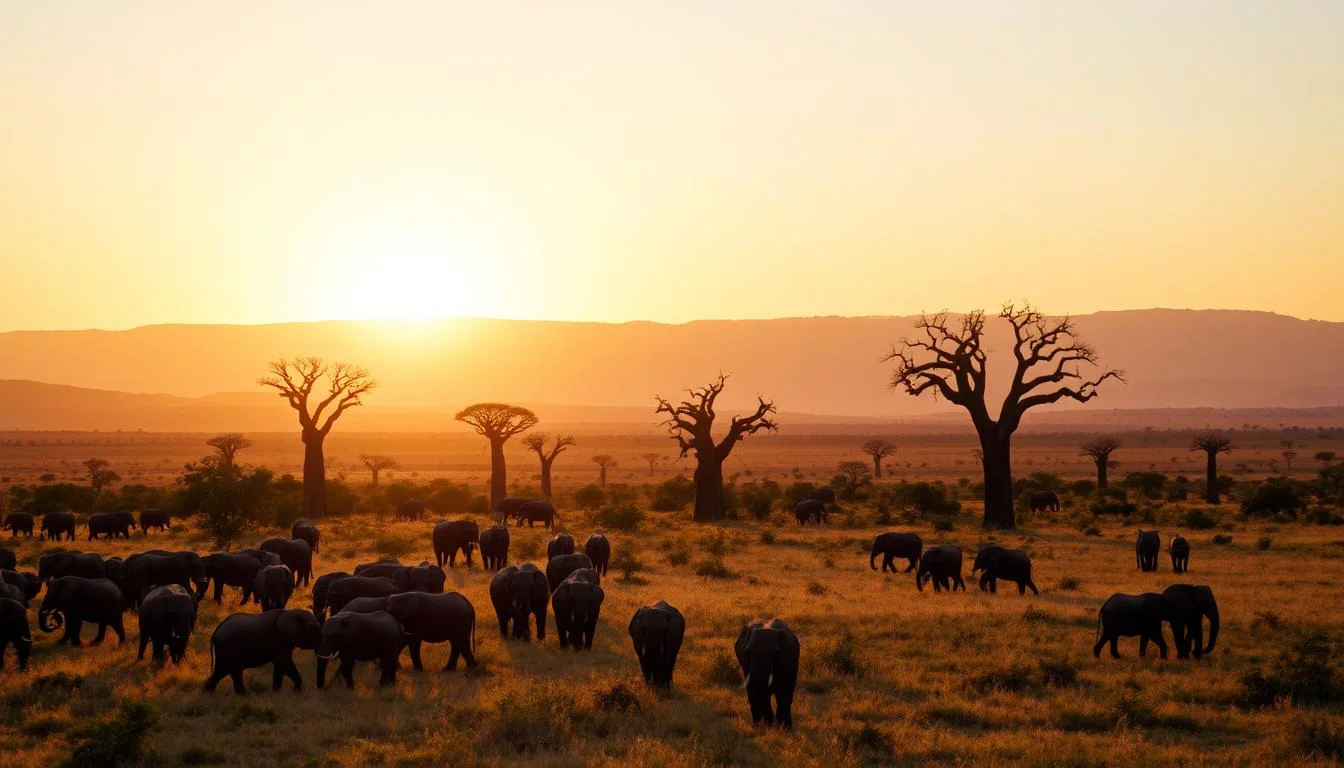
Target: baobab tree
(652,459)
(227,447)
(295,380)
(537,442)
(1100,451)
(603,461)
(1211,444)
(879,450)
(948,358)
(691,424)
(497,422)
(376,463)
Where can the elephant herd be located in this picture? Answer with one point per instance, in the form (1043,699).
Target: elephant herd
(61,524)
(941,566)
(1148,544)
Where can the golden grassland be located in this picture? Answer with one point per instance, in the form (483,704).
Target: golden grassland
(891,676)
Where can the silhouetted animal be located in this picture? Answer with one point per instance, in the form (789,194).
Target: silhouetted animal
(1044,500)
(1146,547)
(303,529)
(452,536)
(57,524)
(657,631)
(494,547)
(768,652)
(536,511)
(411,510)
(810,509)
(19,522)
(598,549)
(1008,564)
(907,546)
(1180,554)
(155,518)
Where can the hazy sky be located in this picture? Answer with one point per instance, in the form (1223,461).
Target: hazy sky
(255,162)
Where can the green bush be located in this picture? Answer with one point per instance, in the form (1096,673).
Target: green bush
(122,739)
(673,494)
(1303,670)
(590,497)
(1275,496)
(1200,520)
(624,517)
(713,568)
(926,499)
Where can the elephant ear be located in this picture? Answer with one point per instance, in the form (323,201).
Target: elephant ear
(740,647)
(636,628)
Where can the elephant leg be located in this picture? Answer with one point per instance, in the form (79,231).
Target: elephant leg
(1021,587)
(212,681)
(414,646)
(347,670)
(238,687)
(503,625)
(993,585)
(562,629)
(784,707)
(541,624)
(1143,645)
(1195,638)
(1115,647)
(144,641)
(913,564)
(388,665)
(159,651)
(1160,643)
(1032,585)
(588,634)
(277,675)
(1096,649)
(291,670)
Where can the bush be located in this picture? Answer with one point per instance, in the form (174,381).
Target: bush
(841,656)
(1318,735)
(619,698)
(926,499)
(1114,508)
(1069,583)
(1275,496)
(673,494)
(1263,543)
(1304,670)
(624,517)
(1083,488)
(1222,538)
(627,563)
(678,554)
(713,568)
(1200,520)
(1092,531)
(724,670)
(448,498)
(1147,484)
(533,721)
(944,524)
(590,497)
(797,492)
(479,506)
(122,739)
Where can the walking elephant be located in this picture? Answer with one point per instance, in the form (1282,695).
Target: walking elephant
(907,546)
(1189,605)
(108,525)
(810,509)
(167,619)
(418,578)
(57,524)
(344,590)
(56,564)
(508,508)
(561,566)
(19,522)
(536,511)
(942,566)
(598,549)
(321,590)
(1043,501)
(657,631)
(424,618)
(142,572)
(354,637)
(1130,615)
(996,563)
(1180,554)
(305,530)
(577,604)
(516,594)
(452,536)
(72,600)
(495,547)
(1146,547)
(295,553)
(154,518)
(230,569)
(247,640)
(560,544)
(768,652)
(14,631)
(410,511)
(273,585)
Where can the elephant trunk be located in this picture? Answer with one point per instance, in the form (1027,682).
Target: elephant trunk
(50,620)
(1212,613)
(872,559)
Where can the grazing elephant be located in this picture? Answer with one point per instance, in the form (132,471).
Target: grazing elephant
(824,494)
(577,603)
(296,553)
(536,511)
(246,640)
(56,564)
(598,549)
(156,568)
(353,637)
(942,566)
(517,593)
(1146,547)
(1043,500)
(14,631)
(810,509)
(154,518)
(508,509)
(657,631)
(167,619)
(907,546)
(1180,554)
(27,583)
(452,536)
(107,525)
(495,547)
(1129,615)
(73,600)
(996,563)
(231,569)
(19,522)
(321,589)
(273,585)
(408,578)
(449,618)
(8,559)
(344,590)
(261,556)
(1189,605)
(411,511)
(562,565)
(560,544)
(768,653)
(305,530)
(57,524)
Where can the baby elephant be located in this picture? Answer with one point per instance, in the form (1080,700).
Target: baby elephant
(1180,554)
(353,637)
(273,586)
(167,618)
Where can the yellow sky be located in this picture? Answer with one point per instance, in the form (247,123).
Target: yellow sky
(235,162)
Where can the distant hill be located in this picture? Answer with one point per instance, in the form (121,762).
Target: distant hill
(820,365)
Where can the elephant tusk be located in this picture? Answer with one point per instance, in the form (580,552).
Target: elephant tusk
(770,680)
(747,681)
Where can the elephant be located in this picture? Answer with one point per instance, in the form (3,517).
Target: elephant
(408,578)
(560,544)
(1180,554)
(344,590)
(598,549)
(1189,605)
(73,600)
(450,536)
(57,524)
(167,619)
(907,546)
(11,592)
(1043,500)
(109,525)
(246,640)
(942,566)
(296,554)
(303,529)
(810,509)
(1129,615)
(56,564)
(996,563)
(14,631)
(261,556)
(273,585)
(410,511)
(517,593)
(495,547)
(508,508)
(657,630)
(156,568)
(768,652)
(425,618)
(577,603)
(8,559)
(353,637)
(561,566)
(27,583)
(322,588)
(231,569)
(1146,547)
(112,571)
(154,518)
(824,494)
(19,522)
(536,511)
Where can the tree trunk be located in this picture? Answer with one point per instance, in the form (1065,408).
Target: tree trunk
(602,476)
(1101,479)
(877,467)
(374,484)
(708,490)
(499,487)
(546,478)
(998,472)
(1211,484)
(314,476)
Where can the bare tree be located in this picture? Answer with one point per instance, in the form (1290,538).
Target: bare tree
(1288,457)
(376,463)
(1100,451)
(100,475)
(879,450)
(537,442)
(603,460)
(497,422)
(855,474)
(652,459)
(295,380)
(227,447)
(1211,444)
(948,358)
(691,424)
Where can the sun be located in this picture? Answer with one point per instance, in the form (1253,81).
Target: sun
(408,278)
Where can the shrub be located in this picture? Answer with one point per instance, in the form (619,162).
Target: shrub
(1069,583)
(618,699)
(816,588)
(122,739)
(393,546)
(713,568)
(1222,538)
(724,670)
(1114,508)
(533,721)
(1318,735)
(627,563)
(1147,484)
(590,497)
(943,524)
(624,517)
(1304,670)
(673,494)
(1083,488)
(926,499)
(479,506)
(1058,673)
(1274,496)
(1093,531)
(1011,680)
(678,554)
(1200,520)
(767,537)
(841,656)
(1263,543)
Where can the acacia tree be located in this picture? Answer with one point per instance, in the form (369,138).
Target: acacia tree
(227,447)
(537,442)
(691,424)
(497,422)
(855,474)
(652,459)
(100,475)
(603,460)
(1211,444)
(948,358)
(879,450)
(376,463)
(1100,451)
(295,380)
